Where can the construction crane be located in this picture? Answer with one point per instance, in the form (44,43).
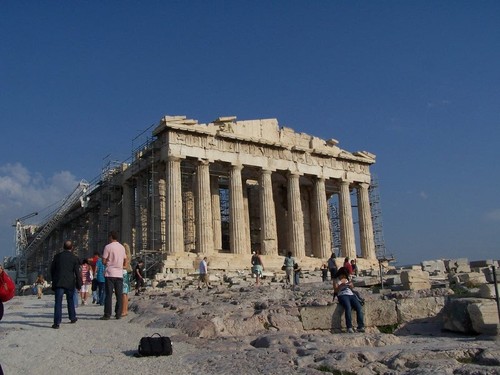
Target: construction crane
(24,249)
(21,239)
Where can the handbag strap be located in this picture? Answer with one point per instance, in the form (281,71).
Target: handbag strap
(156,333)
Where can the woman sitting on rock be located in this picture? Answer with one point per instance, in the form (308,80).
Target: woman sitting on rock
(343,287)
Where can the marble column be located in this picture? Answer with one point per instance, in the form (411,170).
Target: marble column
(269,236)
(366,237)
(204,229)
(216,215)
(322,224)
(127,215)
(295,217)
(237,226)
(174,230)
(346,222)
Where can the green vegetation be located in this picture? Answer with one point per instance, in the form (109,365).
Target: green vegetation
(466,360)
(388,328)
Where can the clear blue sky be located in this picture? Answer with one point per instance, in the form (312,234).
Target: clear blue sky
(415,82)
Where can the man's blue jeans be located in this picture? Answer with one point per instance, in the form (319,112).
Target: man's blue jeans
(113,284)
(59,293)
(348,302)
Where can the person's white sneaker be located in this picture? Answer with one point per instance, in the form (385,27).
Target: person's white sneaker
(350,330)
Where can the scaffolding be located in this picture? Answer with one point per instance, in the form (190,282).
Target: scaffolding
(378,227)
(334,217)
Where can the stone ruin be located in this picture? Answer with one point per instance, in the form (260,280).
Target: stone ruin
(454,295)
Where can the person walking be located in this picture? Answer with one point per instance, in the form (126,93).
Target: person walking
(332,266)
(139,277)
(100,269)
(296,275)
(87,276)
(7,289)
(66,278)
(354,267)
(127,273)
(114,259)
(93,264)
(347,265)
(203,268)
(324,272)
(288,265)
(40,284)
(257,266)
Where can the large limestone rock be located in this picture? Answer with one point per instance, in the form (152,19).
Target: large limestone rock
(434,267)
(460,265)
(412,309)
(471,278)
(470,315)
(376,313)
(484,317)
(488,290)
(415,279)
(455,315)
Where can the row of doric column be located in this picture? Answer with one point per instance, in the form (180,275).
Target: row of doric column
(208,222)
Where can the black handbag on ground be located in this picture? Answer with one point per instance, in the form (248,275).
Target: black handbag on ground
(155,345)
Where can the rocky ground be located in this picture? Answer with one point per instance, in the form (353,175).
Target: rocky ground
(234,328)
(256,330)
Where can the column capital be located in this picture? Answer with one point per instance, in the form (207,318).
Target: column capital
(204,161)
(266,171)
(345,182)
(237,166)
(175,158)
(294,174)
(363,185)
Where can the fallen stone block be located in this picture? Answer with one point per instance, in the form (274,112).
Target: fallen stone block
(484,317)
(459,265)
(488,290)
(470,316)
(414,276)
(419,308)
(376,313)
(472,278)
(433,266)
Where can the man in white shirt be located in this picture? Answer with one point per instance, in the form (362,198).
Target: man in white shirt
(203,269)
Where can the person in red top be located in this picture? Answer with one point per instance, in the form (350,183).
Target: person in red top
(347,265)
(93,263)
(7,289)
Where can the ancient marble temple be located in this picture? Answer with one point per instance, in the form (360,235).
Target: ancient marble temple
(229,187)
(236,186)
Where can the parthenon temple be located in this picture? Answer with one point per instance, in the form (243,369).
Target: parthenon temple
(223,190)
